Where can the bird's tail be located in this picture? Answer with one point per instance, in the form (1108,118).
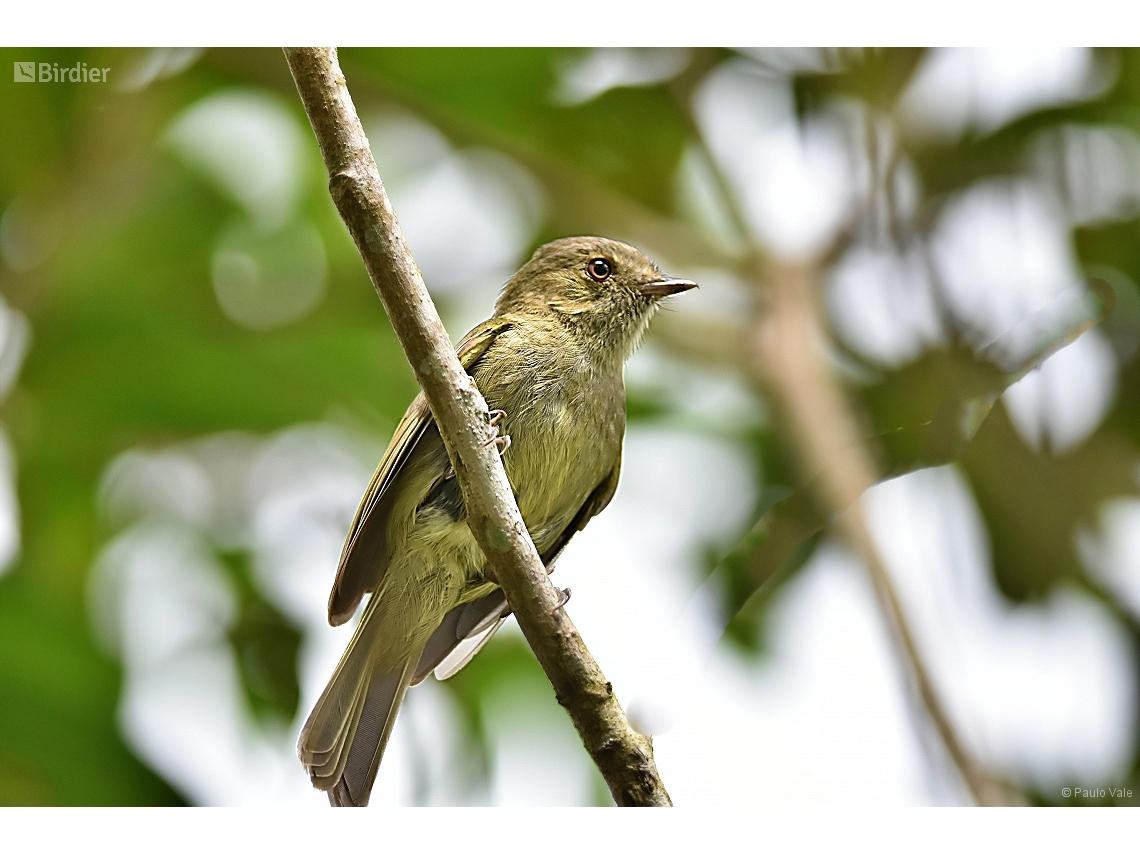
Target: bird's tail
(344,738)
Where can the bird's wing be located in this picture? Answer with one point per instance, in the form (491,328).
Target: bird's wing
(367,550)
(594,505)
(465,650)
(468,627)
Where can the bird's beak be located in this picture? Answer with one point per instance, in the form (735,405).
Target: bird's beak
(665,287)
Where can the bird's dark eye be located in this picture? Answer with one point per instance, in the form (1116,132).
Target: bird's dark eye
(599,269)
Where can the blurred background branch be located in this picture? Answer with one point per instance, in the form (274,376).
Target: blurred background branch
(786,359)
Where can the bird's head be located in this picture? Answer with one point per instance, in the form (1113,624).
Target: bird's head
(603,290)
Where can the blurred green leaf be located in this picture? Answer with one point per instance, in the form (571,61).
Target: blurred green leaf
(265,646)
(1034,504)
(946,397)
(874,76)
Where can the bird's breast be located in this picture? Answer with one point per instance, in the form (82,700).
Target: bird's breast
(566,420)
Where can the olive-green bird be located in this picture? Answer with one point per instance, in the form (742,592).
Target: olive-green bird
(551,361)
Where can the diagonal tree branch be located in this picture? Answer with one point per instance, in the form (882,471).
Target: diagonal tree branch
(623,756)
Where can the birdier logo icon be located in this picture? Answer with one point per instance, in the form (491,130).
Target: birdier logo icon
(24,72)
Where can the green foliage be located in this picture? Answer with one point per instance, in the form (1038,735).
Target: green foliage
(874,76)
(266,645)
(508,94)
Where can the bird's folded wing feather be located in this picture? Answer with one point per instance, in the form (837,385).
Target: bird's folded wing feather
(367,549)
(470,626)
(594,505)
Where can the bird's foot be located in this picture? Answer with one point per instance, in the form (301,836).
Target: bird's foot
(503,442)
(563,601)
